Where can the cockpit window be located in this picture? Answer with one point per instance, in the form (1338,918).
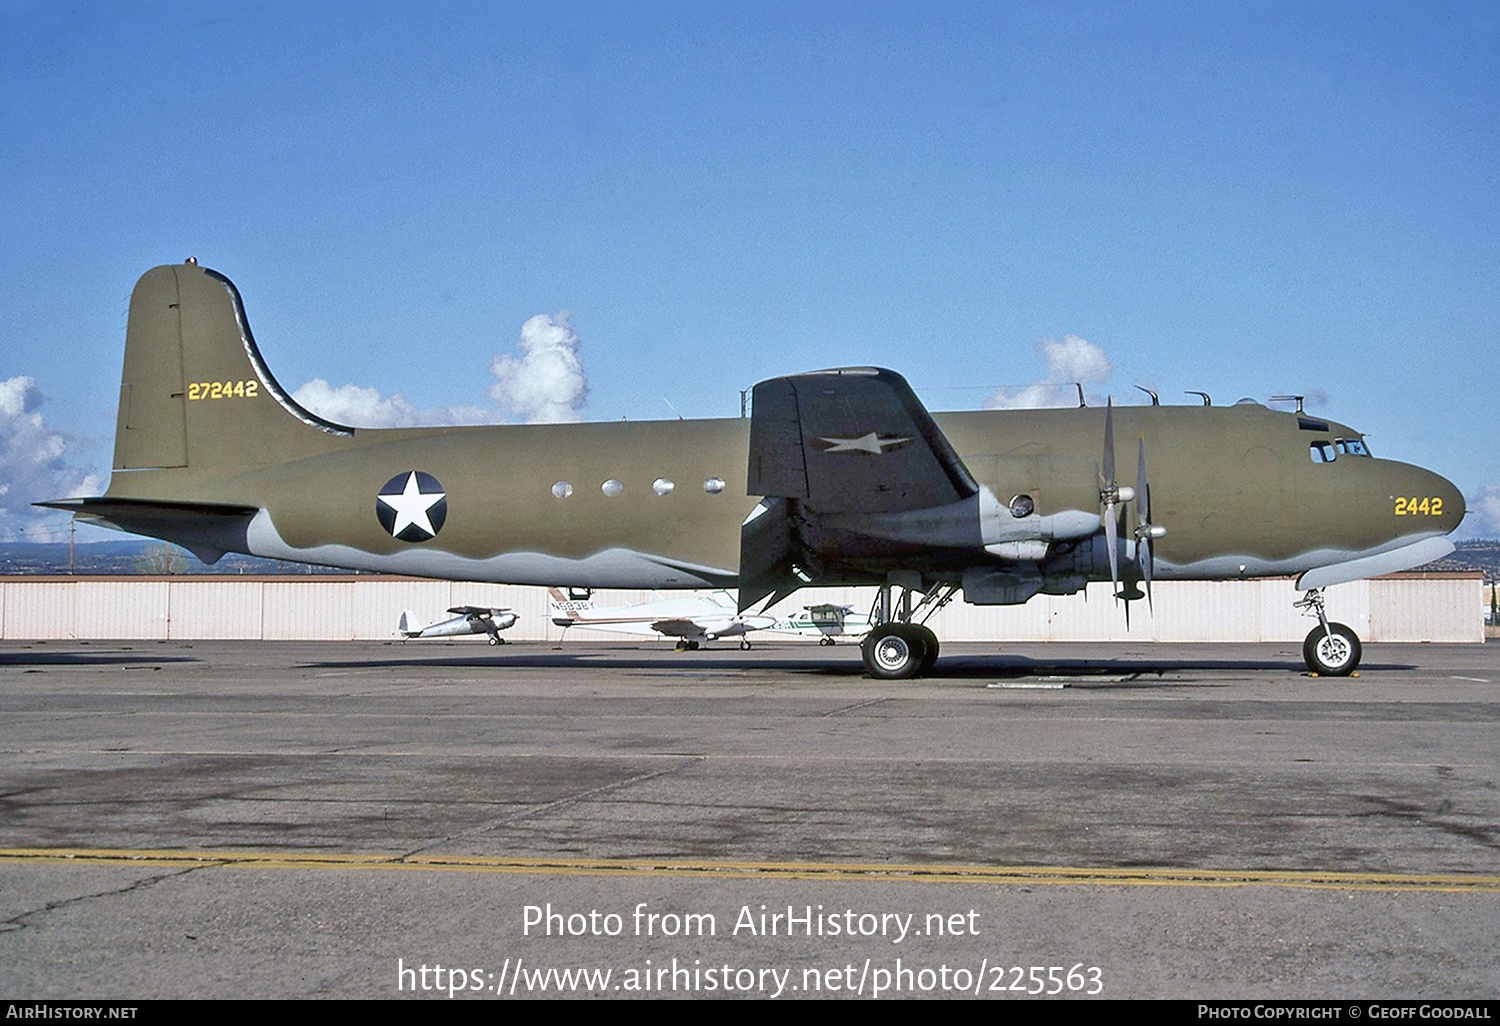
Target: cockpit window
(1323,452)
(1352,446)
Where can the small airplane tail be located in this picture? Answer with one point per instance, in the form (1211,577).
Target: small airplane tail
(567,611)
(195,392)
(410,625)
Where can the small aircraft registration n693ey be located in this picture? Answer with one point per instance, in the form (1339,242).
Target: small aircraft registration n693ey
(838,477)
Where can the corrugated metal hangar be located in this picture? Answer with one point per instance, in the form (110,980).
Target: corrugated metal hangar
(1414,607)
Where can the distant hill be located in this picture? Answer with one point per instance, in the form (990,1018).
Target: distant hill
(1476,554)
(134,556)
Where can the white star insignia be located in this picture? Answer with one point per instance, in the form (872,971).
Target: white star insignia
(411,506)
(870,443)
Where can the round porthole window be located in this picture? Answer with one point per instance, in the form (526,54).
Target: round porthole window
(1022,506)
(562,489)
(714,485)
(614,489)
(661,486)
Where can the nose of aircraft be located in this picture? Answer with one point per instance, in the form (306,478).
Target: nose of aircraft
(1454,507)
(1432,500)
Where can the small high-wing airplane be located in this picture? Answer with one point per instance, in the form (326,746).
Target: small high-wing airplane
(692,620)
(839,477)
(825,621)
(470,620)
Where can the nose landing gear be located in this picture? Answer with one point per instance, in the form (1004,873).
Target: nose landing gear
(1331,649)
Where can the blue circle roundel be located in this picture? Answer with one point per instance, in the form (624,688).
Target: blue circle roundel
(412,506)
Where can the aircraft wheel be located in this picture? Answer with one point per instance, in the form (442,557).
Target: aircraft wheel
(1331,653)
(744,645)
(692,646)
(496,639)
(894,651)
(930,640)
(825,641)
(681,646)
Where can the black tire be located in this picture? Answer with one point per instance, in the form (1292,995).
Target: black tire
(1332,653)
(930,656)
(894,651)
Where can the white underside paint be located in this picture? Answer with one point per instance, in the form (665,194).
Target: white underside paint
(611,568)
(1318,568)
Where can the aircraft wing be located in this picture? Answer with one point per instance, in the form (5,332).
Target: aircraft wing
(677,628)
(852,439)
(835,449)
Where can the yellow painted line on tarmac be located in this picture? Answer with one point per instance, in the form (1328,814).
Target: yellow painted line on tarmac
(855,871)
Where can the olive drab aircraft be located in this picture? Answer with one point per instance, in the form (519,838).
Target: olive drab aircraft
(838,477)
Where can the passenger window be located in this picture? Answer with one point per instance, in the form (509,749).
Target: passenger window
(1323,452)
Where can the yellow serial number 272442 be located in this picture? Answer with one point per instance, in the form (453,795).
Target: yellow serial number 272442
(223,390)
(1412,506)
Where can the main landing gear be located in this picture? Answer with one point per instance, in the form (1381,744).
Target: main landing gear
(897,648)
(1331,649)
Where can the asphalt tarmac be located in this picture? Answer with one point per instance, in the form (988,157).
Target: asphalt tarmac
(255,819)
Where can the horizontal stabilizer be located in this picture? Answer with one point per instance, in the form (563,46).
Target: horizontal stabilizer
(206,529)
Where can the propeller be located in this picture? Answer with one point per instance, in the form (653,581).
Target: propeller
(1112,496)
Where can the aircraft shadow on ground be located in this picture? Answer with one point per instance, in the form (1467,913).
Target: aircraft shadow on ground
(963,667)
(87,659)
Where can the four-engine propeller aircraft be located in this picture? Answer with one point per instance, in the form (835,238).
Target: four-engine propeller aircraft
(839,477)
(470,620)
(692,620)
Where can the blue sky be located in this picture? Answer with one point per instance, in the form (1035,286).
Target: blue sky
(1242,198)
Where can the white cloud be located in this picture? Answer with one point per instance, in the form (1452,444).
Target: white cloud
(1071,359)
(34,466)
(358,406)
(1483,520)
(546,384)
(1075,359)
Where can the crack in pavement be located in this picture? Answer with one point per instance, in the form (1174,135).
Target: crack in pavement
(20,922)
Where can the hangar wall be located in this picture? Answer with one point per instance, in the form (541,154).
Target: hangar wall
(1403,607)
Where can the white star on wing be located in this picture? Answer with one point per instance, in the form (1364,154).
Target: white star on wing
(411,506)
(864,443)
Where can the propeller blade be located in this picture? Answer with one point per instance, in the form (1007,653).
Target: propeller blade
(1142,490)
(1143,520)
(1143,553)
(1111,540)
(1109,443)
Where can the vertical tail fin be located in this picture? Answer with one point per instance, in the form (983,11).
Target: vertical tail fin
(195,391)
